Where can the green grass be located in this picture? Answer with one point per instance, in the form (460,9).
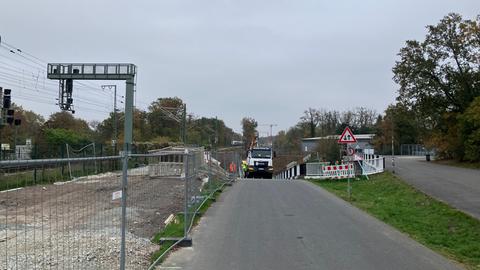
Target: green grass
(438,226)
(176,228)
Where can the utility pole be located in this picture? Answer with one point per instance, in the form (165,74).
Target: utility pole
(271,131)
(184,125)
(115,129)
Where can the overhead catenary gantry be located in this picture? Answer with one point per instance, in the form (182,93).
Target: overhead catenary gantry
(66,73)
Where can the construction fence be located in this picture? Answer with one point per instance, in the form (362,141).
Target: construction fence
(99,212)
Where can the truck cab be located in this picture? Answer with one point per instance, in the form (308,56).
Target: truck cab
(260,162)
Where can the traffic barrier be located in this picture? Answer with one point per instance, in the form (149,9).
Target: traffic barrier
(341,171)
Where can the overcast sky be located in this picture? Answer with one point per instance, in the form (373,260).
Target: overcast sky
(270,60)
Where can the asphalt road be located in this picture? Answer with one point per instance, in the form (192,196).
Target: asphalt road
(295,225)
(458,187)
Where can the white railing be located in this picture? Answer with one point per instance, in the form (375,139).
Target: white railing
(373,165)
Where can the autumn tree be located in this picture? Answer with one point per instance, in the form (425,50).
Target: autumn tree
(162,117)
(249,130)
(439,78)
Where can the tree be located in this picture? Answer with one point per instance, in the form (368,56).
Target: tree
(469,128)
(249,128)
(312,118)
(440,74)
(104,132)
(439,78)
(161,123)
(65,120)
(328,122)
(30,127)
(60,136)
(328,150)
(203,131)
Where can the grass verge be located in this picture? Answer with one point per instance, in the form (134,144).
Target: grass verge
(434,224)
(175,229)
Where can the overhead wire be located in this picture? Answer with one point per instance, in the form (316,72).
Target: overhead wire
(43,77)
(11,46)
(29,84)
(6,80)
(38,74)
(16,51)
(20,81)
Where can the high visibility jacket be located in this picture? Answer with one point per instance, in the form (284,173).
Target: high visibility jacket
(244,167)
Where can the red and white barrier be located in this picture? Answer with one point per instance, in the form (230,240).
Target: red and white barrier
(341,171)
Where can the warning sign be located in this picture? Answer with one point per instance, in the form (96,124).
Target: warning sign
(116,195)
(347,136)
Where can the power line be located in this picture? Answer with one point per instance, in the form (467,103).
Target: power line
(13,47)
(21,55)
(36,79)
(39,72)
(21,62)
(45,91)
(45,79)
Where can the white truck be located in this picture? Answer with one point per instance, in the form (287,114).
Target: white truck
(260,162)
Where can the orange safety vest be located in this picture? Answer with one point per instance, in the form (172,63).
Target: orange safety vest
(233,167)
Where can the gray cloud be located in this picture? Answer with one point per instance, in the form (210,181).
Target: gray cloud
(265,59)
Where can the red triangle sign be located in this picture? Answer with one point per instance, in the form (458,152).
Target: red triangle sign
(347,136)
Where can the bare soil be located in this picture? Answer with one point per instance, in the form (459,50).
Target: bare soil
(76,224)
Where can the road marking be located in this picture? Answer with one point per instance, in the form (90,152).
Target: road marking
(169,267)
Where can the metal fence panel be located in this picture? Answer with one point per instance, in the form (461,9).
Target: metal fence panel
(66,213)
(57,214)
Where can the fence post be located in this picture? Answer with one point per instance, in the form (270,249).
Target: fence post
(101,154)
(210,178)
(62,155)
(185,213)
(124,205)
(35,169)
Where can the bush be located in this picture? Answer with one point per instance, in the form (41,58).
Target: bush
(469,130)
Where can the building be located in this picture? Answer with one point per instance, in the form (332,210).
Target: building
(363,145)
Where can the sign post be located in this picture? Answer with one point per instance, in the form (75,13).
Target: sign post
(346,138)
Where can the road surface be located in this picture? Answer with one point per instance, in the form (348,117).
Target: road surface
(282,224)
(458,187)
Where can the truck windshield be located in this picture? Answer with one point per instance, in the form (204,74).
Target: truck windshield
(261,153)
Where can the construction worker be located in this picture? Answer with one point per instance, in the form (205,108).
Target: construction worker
(232,167)
(244,167)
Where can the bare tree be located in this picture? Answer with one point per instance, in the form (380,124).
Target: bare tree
(312,118)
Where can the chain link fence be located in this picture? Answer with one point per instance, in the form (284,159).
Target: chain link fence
(81,212)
